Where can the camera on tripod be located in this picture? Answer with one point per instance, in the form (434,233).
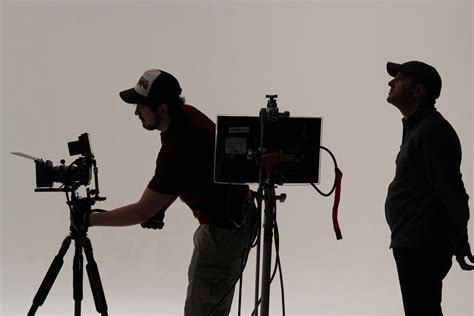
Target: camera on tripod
(79,173)
(74,175)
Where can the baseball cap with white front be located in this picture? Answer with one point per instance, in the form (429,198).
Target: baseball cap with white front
(154,86)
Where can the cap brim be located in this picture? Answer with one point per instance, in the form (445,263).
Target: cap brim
(393,68)
(132,97)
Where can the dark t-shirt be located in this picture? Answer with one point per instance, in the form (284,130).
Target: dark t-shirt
(185,167)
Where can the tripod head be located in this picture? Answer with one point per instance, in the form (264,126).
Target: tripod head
(271,113)
(80,208)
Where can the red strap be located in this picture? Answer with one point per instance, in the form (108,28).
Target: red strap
(337,198)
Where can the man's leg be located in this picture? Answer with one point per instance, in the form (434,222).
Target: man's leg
(421,272)
(214,268)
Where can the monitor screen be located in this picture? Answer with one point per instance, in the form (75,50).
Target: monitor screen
(238,141)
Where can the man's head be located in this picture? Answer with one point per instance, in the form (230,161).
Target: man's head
(157,96)
(416,79)
(153,88)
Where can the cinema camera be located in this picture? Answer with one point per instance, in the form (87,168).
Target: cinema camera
(71,176)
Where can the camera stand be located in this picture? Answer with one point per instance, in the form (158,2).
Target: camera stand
(81,243)
(77,205)
(266,195)
(269,215)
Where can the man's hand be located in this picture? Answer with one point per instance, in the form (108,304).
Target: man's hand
(461,253)
(156,221)
(80,218)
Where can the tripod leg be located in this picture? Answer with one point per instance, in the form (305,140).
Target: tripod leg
(77,277)
(94,279)
(50,277)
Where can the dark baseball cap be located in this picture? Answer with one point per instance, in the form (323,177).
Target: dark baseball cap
(428,75)
(154,86)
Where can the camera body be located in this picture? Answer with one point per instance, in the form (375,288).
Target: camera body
(74,175)
(79,173)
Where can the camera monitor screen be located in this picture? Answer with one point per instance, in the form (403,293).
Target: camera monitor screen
(238,141)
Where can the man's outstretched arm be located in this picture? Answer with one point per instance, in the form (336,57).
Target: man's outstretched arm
(136,213)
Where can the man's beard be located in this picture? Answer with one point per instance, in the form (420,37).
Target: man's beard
(154,125)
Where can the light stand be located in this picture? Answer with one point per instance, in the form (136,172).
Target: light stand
(266,194)
(270,149)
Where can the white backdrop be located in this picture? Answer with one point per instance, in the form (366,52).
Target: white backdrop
(64,62)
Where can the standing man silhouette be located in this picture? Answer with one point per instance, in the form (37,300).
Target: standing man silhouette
(426,205)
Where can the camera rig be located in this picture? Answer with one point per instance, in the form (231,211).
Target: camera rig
(72,177)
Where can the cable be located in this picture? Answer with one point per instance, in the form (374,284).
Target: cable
(277,266)
(335,178)
(249,236)
(337,195)
(245,256)
(240,287)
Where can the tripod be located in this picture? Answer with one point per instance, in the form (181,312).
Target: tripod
(82,244)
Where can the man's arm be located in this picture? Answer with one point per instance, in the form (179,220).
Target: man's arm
(442,156)
(441,151)
(136,213)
